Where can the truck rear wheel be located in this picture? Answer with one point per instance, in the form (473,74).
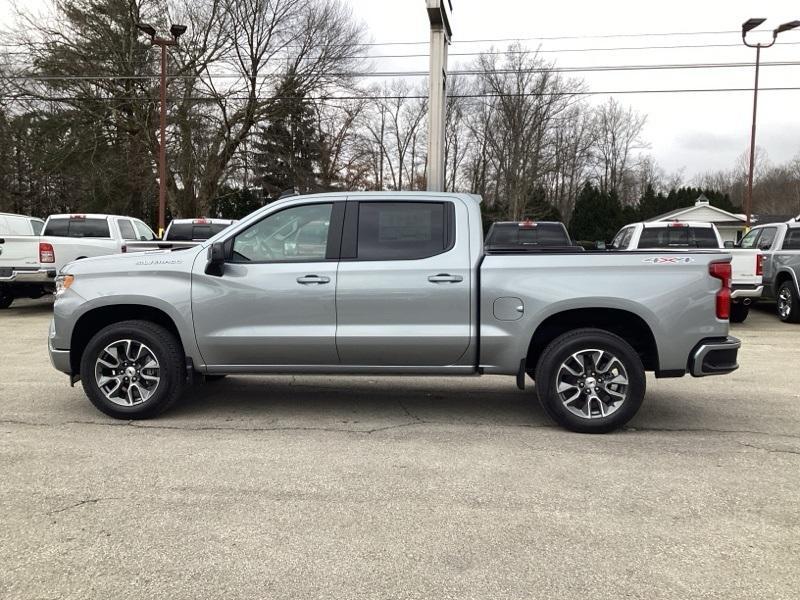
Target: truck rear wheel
(739,312)
(788,303)
(590,381)
(133,370)
(5,299)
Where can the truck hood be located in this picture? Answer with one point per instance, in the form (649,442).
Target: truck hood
(155,260)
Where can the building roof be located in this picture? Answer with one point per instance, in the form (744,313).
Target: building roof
(701,202)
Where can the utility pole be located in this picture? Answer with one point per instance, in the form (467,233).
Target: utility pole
(175,31)
(437,93)
(747,26)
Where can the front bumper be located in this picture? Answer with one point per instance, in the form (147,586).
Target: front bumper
(714,356)
(747,291)
(60,359)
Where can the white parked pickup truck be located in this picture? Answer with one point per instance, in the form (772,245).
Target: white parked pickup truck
(746,266)
(29,263)
(19,268)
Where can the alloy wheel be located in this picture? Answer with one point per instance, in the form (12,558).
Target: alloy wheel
(127,372)
(592,383)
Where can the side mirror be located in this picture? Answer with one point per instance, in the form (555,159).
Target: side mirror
(600,245)
(216,259)
(729,244)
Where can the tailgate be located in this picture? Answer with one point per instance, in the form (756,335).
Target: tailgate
(743,267)
(19,251)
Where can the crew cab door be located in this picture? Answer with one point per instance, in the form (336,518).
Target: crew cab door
(403,290)
(274,302)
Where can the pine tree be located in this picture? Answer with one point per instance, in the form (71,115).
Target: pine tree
(287,148)
(597,215)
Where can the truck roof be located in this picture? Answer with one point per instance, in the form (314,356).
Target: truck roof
(675,223)
(77,215)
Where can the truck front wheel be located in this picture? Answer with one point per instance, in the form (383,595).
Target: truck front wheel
(788,303)
(133,369)
(590,381)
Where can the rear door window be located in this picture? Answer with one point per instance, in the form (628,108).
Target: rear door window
(402,230)
(126,229)
(792,240)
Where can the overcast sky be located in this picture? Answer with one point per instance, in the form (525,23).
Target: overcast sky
(691,131)
(698,132)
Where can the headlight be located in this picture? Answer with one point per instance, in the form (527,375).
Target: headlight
(63,283)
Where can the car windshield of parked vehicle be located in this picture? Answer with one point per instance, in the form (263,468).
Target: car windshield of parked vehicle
(749,241)
(623,238)
(299,233)
(145,233)
(527,234)
(767,237)
(193,232)
(79,227)
(678,237)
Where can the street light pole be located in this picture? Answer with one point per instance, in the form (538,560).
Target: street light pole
(437,92)
(163,42)
(747,26)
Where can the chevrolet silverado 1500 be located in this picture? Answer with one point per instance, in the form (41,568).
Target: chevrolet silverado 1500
(391,283)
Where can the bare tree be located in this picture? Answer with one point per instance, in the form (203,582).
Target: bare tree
(618,135)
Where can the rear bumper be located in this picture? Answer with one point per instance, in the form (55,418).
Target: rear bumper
(714,356)
(23,275)
(746,291)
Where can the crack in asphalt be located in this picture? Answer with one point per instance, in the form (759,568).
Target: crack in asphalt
(416,420)
(771,450)
(136,425)
(80,503)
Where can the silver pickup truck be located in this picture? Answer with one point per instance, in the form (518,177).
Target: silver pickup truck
(391,283)
(779,244)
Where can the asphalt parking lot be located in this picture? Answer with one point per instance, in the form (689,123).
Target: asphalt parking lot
(314,487)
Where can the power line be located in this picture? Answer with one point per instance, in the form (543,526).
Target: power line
(482,52)
(466,73)
(28,98)
(531,39)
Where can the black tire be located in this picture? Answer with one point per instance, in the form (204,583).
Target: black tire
(788,303)
(739,312)
(5,300)
(574,342)
(213,378)
(168,352)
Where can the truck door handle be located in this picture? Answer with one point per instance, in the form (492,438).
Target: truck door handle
(319,279)
(445,278)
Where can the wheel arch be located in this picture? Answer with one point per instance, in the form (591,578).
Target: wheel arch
(786,275)
(97,318)
(628,325)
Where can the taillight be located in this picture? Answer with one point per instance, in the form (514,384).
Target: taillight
(722,271)
(759,264)
(46,253)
